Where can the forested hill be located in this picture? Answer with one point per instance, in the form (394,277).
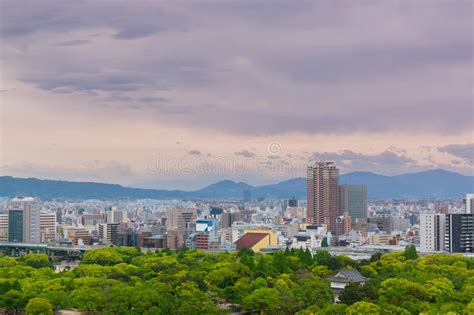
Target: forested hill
(438,184)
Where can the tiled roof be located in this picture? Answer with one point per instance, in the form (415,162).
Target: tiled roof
(348,275)
(249,240)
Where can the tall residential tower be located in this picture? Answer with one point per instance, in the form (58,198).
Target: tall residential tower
(322,195)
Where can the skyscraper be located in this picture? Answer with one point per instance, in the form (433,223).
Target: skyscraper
(293,202)
(353,200)
(459,237)
(432,231)
(322,195)
(24,220)
(469,203)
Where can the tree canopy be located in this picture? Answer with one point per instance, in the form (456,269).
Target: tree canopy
(126,281)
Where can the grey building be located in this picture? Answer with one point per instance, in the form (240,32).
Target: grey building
(24,220)
(459,229)
(353,200)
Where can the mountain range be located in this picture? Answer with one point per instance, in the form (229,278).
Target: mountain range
(437,184)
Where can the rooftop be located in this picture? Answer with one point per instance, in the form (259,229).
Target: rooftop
(249,240)
(348,275)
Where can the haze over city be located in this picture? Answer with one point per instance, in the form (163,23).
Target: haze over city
(99,92)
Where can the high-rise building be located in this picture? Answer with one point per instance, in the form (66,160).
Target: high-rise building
(116,216)
(459,236)
(24,220)
(469,203)
(180,218)
(178,223)
(79,236)
(109,232)
(353,200)
(3,227)
(47,227)
(293,202)
(432,231)
(322,195)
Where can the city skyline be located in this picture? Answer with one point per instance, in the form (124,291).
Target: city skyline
(102,90)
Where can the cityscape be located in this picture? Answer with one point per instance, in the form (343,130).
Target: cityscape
(236,157)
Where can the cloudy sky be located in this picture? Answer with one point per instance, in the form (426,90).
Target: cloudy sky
(180,94)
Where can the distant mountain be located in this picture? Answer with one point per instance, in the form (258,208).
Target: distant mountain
(427,184)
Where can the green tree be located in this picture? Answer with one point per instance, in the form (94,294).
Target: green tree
(363,308)
(410,252)
(324,243)
(315,292)
(37,260)
(39,306)
(333,309)
(404,293)
(356,291)
(263,300)
(13,300)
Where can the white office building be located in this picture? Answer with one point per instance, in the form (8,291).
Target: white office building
(432,231)
(469,203)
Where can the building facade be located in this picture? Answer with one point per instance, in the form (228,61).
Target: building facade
(459,236)
(24,220)
(323,195)
(353,200)
(432,231)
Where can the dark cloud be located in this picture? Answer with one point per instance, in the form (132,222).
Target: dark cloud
(194,152)
(245,153)
(310,67)
(75,42)
(130,20)
(463,151)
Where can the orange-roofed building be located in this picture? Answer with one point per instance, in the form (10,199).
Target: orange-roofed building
(256,240)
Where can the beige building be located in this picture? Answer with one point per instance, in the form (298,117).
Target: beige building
(79,236)
(3,227)
(48,227)
(178,221)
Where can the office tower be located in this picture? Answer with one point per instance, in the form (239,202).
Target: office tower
(116,216)
(432,232)
(469,203)
(227,218)
(79,236)
(3,227)
(293,202)
(109,232)
(178,223)
(353,200)
(47,227)
(383,223)
(459,236)
(399,224)
(180,218)
(92,219)
(247,195)
(24,220)
(322,195)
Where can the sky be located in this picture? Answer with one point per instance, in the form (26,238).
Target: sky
(180,94)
